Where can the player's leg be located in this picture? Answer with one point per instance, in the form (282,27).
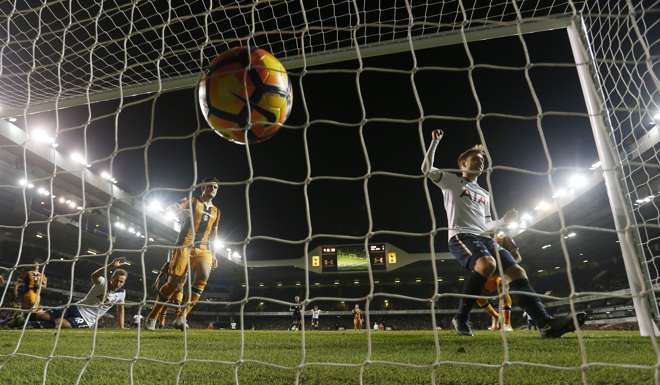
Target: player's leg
(29,300)
(471,252)
(177,271)
(506,311)
(201,262)
(549,326)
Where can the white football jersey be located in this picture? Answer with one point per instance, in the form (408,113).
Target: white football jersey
(467,204)
(315,313)
(97,302)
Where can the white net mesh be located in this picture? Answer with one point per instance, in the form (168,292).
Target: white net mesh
(112,82)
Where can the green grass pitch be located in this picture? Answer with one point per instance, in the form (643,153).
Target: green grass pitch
(274,357)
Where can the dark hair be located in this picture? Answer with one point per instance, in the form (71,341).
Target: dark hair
(120,272)
(478,148)
(206,181)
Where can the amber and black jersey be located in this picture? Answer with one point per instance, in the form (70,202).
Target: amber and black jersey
(203,226)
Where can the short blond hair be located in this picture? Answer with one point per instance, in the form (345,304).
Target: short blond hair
(477,148)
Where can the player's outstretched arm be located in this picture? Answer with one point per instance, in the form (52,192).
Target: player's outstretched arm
(427,164)
(116,263)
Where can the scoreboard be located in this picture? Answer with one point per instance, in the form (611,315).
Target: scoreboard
(352,258)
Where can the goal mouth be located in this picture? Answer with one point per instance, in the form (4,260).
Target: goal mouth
(351,204)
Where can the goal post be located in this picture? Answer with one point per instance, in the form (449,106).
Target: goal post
(641,287)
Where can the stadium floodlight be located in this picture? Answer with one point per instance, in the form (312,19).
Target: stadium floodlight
(526,217)
(107,176)
(418,280)
(461,278)
(512,225)
(317,283)
(78,158)
(71,204)
(43,191)
(120,225)
(336,283)
(356,282)
(79,207)
(236,255)
(131,230)
(155,206)
(585,261)
(218,244)
(40,135)
(151,239)
(546,246)
(595,166)
(560,193)
(39,235)
(440,279)
(11,119)
(24,182)
(557,267)
(170,215)
(397,280)
(577,181)
(645,200)
(572,234)
(542,206)
(62,200)
(261,284)
(279,284)
(298,284)
(540,271)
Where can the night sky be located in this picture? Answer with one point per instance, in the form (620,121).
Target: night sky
(177,146)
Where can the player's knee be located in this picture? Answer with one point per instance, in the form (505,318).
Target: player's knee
(485,265)
(198,287)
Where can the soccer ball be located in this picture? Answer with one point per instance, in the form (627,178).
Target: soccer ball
(229,89)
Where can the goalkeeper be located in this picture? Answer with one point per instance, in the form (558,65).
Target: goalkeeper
(470,228)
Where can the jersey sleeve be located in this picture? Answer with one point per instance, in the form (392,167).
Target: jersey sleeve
(444,180)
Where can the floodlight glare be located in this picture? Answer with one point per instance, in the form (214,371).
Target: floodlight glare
(577,181)
(78,158)
(218,244)
(40,135)
(542,206)
(107,176)
(155,206)
(595,166)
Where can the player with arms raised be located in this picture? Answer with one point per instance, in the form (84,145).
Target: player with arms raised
(194,249)
(471,241)
(316,312)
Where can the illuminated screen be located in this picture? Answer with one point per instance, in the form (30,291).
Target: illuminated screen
(351,258)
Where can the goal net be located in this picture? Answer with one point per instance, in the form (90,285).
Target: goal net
(101,135)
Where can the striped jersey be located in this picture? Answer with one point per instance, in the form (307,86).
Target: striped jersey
(197,231)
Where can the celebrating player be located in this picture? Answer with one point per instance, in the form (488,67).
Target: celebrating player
(100,298)
(315,317)
(194,248)
(28,287)
(357,318)
(470,240)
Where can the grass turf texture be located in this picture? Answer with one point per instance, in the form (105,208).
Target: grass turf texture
(279,353)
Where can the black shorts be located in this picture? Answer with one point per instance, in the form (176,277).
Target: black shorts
(71,314)
(467,248)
